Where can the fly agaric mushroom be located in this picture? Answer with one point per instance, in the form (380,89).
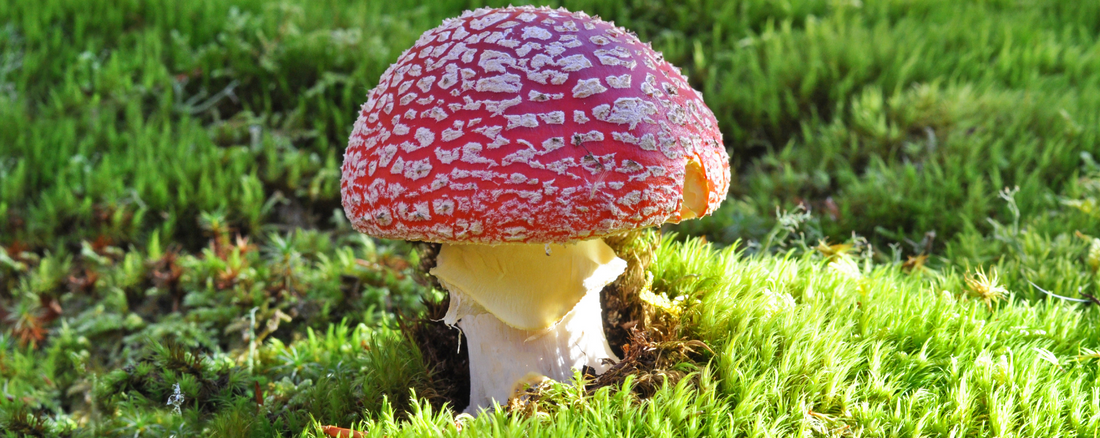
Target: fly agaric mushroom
(517,138)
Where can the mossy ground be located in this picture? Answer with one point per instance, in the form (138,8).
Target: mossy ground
(904,172)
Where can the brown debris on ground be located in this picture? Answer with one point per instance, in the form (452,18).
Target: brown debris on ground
(652,358)
(647,338)
(622,308)
(651,363)
(428,252)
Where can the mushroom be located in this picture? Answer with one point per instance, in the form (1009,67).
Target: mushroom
(517,138)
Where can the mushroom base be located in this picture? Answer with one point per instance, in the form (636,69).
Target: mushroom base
(503,360)
(529,311)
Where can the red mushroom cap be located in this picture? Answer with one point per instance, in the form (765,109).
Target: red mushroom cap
(526,124)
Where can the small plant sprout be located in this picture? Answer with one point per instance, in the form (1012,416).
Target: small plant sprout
(1009,196)
(985,287)
(831,252)
(915,263)
(176,399)
(786,224)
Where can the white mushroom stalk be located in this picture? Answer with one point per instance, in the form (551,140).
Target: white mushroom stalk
(528,314)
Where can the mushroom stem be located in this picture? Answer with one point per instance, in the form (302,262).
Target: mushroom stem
(528,315)
(503,359)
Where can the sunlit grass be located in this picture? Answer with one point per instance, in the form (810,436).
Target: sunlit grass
(869,351)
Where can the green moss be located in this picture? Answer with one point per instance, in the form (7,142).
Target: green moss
(169,214)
